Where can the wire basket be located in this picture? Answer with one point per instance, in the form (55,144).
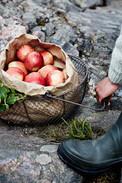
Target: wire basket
(43,109)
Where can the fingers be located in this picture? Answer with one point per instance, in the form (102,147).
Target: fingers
(99,97)
(103,96)
(104,89)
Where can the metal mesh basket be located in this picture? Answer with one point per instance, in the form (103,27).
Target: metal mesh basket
(43,109)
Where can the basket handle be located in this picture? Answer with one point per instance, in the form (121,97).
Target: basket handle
(102,108)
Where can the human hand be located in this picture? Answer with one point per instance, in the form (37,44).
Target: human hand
(105,88)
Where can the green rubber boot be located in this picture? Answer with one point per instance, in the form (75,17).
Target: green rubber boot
(94,157)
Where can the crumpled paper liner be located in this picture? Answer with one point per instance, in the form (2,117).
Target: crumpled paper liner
(9,54)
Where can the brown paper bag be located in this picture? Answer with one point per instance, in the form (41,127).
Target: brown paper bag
(36,108)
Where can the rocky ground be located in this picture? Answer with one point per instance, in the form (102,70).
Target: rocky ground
(84,28)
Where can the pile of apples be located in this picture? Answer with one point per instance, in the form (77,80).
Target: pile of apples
(36,67)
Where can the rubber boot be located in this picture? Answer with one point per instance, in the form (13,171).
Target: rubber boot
(94,157)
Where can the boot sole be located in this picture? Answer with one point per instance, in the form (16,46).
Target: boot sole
(86,170)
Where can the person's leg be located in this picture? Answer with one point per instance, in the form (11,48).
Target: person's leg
(94,156)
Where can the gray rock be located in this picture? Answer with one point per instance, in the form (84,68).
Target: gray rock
(64,4)
(9,32)
(88,3)
(37,32)
(70,49)
(2,44)
(25,158)
(119,92)
(49,29)
(43,159)
(29,19)
(48,148)
(64,33)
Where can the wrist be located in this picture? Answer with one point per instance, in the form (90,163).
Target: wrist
(112,83)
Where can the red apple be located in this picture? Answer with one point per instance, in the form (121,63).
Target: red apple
(33,61)
(46,69)
(18,65)
(35,77)
(47,57)
(24,51)
(16,72)
(54,78)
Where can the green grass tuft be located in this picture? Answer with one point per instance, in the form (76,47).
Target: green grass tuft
(79,128)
